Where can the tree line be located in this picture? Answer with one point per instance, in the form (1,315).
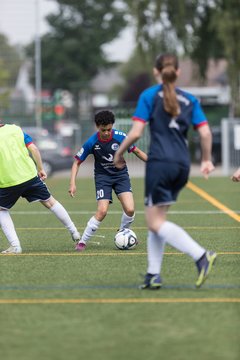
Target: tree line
(72,51)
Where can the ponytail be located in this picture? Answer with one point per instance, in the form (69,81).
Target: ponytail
(167,65)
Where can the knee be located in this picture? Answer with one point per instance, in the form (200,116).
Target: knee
(49,203)
(129,212)
(100,215)
(152,228)
(155,226)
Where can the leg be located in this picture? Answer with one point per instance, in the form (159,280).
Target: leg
(155,249)
(93,224)
(127,202)
(175,236)
(9,231)
(61,213)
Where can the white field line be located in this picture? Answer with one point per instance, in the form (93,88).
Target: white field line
(118,212)
(121,301)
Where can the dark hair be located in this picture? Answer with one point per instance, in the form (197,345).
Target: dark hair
(104,117)
(167,65)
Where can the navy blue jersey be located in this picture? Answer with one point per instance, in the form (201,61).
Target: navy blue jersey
(169,134)
(103,152)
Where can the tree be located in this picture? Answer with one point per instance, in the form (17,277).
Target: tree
(200,29)
(72,52)
(9,66)
(226,20)
(154,33)
(214,27)
(135,86)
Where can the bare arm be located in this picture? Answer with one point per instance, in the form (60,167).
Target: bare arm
(206,147)
(38,160)
(133,135)
(236,176)
(140,154)
(74,172)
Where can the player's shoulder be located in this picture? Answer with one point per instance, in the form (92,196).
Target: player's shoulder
(12,126)
(151,91)
(91,140)
(117,134)
(187,95)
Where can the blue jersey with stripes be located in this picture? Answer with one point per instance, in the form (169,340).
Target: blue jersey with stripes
(168,133)
(103,152)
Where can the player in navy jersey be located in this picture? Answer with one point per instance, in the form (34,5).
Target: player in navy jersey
(169,112)
(102,145)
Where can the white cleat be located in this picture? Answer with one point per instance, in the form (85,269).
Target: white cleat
(13,250)
(76,237)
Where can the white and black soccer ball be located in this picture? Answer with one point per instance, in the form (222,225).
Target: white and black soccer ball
(125,239)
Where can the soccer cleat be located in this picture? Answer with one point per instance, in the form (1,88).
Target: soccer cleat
(204,266)
(152,282)
(76,237)
(80,246)
(13,250)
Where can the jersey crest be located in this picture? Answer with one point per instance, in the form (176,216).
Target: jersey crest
(109,158)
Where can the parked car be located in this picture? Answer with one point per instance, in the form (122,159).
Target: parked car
(55,155)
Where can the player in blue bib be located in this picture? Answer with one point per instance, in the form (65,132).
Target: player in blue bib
(102,145)
(170,112)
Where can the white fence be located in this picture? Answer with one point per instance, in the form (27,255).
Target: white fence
(230,129)
(136,167)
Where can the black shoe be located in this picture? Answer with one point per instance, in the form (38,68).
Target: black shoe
(152,282)
(204,266)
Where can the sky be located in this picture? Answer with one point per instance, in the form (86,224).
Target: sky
(20,20)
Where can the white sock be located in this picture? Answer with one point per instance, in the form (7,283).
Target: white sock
(155,250)
(8,228)
(175,236)
(62,215)
(126,221)
(90,229)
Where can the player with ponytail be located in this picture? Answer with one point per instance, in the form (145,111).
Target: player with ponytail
(168,67)
(169,111)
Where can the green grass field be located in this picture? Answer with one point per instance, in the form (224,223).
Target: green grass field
(58,304)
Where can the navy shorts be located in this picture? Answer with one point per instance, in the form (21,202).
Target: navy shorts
(163,182)
(104,185)
(32,190)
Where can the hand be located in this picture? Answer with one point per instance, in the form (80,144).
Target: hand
(72,190)
(236,176)
(42,174)
(119,161)
(206,168)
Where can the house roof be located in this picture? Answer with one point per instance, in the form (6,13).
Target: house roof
(216,75)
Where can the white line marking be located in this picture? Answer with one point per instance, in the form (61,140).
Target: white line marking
(187,212)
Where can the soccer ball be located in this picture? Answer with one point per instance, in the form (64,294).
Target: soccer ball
(125,239)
